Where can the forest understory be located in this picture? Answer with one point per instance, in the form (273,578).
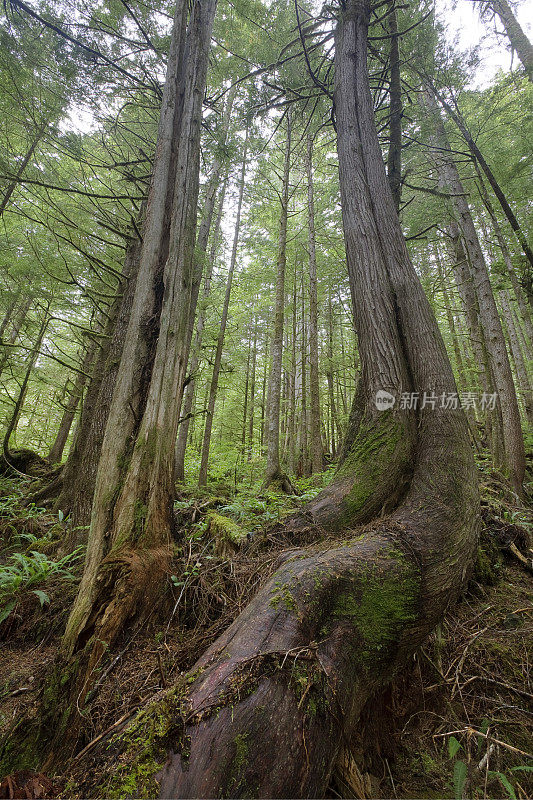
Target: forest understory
(456,721)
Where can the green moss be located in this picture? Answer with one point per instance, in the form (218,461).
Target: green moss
(368,460)
(144,746)
(381,605)
(224,529)
(283,596)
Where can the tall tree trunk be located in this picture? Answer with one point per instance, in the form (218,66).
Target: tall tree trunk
(317,451)
(204,461)
(129,538)
(347,617)
(188,400)
(336,431)
(521,371)
(273,472)
(513,442)
(81,467)
(394,158)
(460,370)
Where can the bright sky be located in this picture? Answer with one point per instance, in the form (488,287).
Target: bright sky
(463,21)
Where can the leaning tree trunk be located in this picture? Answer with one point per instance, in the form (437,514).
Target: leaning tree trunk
(394,156)
(129,539)
(264,712)
(517,37)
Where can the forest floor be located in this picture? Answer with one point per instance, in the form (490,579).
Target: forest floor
(457,722)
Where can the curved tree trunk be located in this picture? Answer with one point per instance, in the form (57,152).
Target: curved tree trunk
(265,710)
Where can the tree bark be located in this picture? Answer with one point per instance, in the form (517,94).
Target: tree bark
(266,709)
(394,158)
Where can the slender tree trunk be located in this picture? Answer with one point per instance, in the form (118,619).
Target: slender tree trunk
(245,401)
(336,431)
(250,727)
(186,411)
(252,394)
(521,371)
(23,164)
(460,370)
(204,462)
(317,451)
(513,442)
(74,397)
(517,289)
(478,156)
(273,473)
(19,403)
(15,330)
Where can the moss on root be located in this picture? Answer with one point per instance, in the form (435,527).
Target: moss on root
(379,444)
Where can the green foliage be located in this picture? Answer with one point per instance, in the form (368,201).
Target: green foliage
(26,573)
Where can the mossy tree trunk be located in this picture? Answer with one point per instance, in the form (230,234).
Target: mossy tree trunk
(266,709)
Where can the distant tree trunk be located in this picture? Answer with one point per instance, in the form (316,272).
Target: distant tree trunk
(513,455)
(188,400)
(517,289)
(204,461)
(129,539)
(518,39)
(451,324)
(317,450)
(516,352)
(252,394)
(273,472)
(39,133)
(74,397)
(9,312)
(336,432)
(19,403)
(15,330)
(479,157)
(394,158)
(271,702)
